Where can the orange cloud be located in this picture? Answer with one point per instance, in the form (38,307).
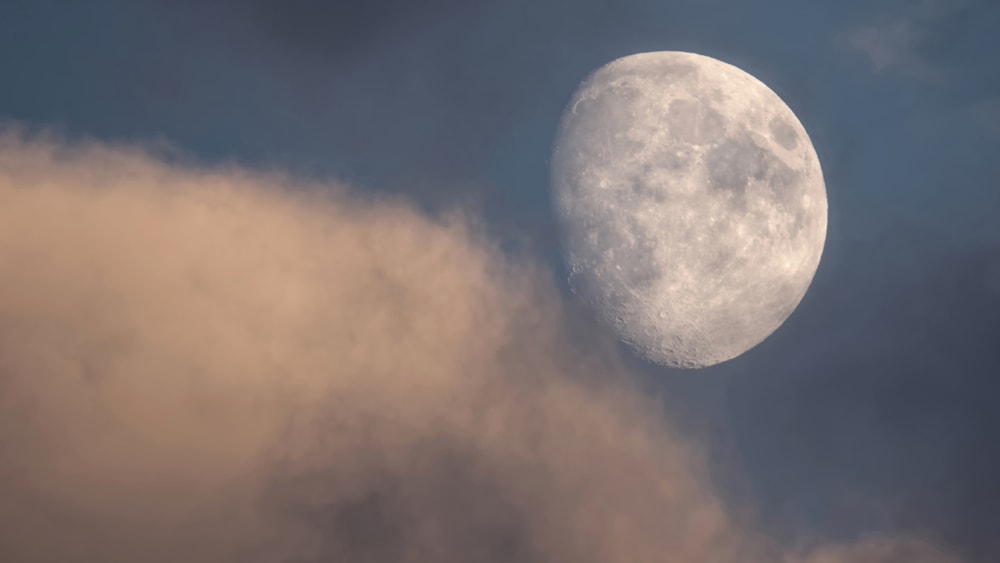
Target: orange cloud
(214,364)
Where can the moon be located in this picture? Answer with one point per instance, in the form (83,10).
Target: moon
(691,206)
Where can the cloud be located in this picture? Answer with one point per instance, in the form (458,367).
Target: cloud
(891,47)
(216,364)
(898,44)
(336,29)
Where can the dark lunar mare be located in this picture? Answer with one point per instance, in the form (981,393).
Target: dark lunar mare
(738,159)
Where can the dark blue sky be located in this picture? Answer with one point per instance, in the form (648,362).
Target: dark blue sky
(880,388)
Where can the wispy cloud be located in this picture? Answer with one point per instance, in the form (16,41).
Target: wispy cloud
(891,47)
(894,43)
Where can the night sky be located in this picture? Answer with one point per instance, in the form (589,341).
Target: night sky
(871,412)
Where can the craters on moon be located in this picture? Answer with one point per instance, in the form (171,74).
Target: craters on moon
(691,206)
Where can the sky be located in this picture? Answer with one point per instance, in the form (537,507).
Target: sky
(279,282)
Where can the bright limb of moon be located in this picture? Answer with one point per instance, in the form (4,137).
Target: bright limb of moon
(691,205)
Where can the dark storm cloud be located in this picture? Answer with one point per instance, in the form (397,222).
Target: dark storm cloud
(221,365)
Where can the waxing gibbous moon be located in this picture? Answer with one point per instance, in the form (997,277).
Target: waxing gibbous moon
(691,206)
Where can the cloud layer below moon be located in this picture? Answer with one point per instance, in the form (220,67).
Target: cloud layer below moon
(213,365)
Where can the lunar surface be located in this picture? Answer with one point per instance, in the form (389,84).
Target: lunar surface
(691,205)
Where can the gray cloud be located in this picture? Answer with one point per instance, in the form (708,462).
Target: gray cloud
(892,47)
(334,29)
(900,43)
